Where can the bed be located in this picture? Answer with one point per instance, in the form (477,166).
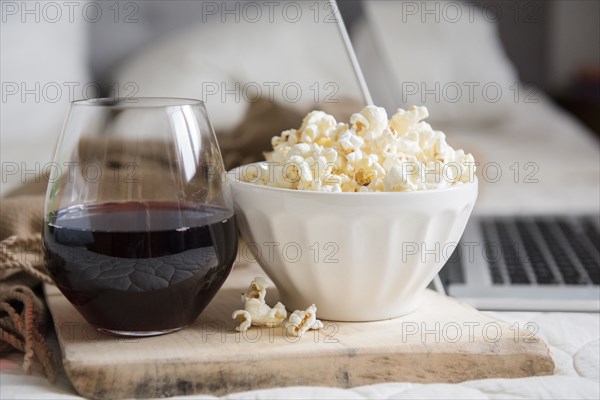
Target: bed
(557,159)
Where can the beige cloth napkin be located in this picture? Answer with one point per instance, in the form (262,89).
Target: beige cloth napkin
(23,314)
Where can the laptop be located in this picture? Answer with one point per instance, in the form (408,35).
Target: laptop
(547,262)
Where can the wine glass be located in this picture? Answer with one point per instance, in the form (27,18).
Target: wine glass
(139,230)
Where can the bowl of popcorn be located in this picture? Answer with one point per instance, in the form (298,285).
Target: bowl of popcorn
(356,218)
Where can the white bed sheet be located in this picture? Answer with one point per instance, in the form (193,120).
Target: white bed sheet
(557,159)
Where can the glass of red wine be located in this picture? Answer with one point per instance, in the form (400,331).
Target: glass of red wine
(139,231)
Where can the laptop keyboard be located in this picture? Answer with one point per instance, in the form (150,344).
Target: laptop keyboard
(537,250)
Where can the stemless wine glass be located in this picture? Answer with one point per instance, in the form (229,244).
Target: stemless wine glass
(139,232)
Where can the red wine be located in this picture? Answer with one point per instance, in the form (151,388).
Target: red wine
(140,266)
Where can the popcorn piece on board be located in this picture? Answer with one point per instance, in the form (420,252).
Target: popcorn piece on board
(301,321)
(256,312)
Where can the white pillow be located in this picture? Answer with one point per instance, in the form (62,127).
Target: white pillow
(445,55)
(298,65)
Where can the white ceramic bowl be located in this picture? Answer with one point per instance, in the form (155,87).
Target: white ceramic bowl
(357,256)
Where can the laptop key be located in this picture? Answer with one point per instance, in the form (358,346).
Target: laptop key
(496,276)
(595,277)
(543,274)
(516,273)
(592,232)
